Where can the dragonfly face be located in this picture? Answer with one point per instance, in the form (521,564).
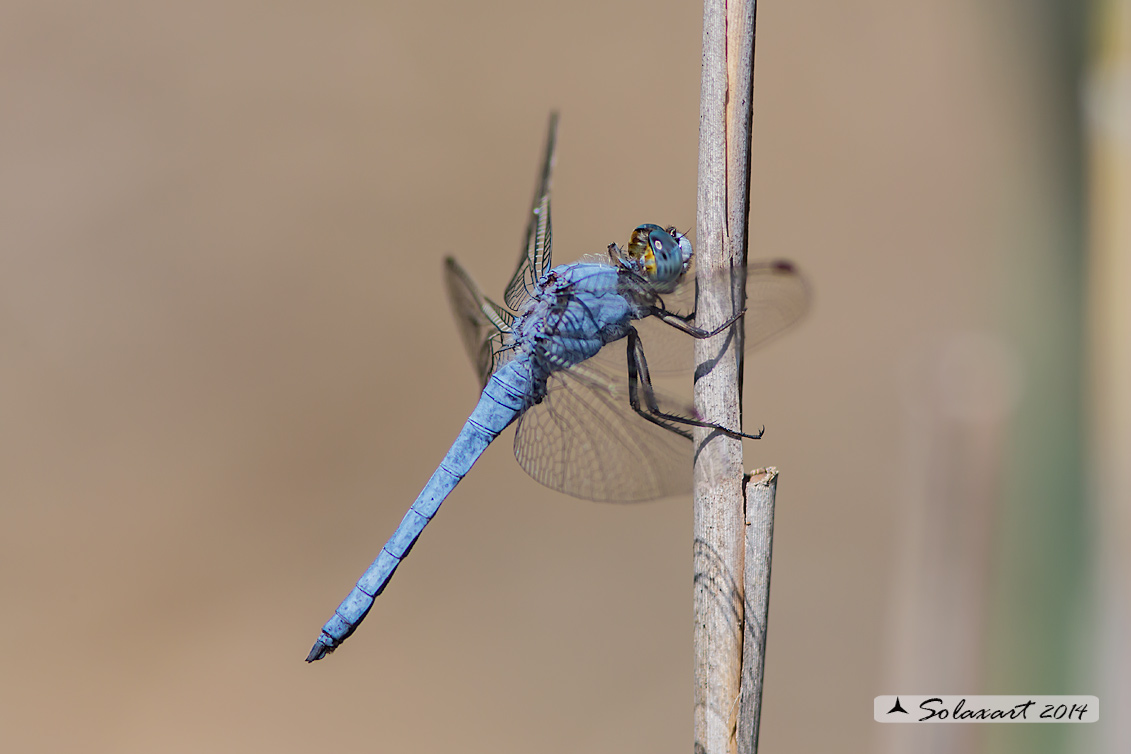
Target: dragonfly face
(659,255)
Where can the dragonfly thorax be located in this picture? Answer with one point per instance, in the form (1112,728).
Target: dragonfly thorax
(577,309)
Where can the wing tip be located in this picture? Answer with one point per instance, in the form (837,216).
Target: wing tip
(784,266)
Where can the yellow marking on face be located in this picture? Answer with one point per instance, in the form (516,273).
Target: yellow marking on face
(650,261)
(639,248)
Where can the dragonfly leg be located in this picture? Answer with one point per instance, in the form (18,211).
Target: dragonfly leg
(640,384)
(683,323)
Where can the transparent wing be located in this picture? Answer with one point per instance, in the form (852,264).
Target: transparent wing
(484,326)
(584,439)
(535,257)
(776,298)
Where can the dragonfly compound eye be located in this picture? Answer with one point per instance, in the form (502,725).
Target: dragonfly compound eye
(668,254)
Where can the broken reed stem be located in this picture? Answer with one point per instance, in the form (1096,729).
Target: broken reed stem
(761,489)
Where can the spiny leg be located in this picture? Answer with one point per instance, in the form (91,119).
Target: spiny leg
(682,323)
(640,381)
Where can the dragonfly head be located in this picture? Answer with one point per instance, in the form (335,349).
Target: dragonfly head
(658,254)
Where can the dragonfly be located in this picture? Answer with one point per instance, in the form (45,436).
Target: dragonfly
(565,358)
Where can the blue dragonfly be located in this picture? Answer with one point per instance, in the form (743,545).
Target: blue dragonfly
(590,422)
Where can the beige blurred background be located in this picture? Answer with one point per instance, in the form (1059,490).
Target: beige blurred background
(228,367)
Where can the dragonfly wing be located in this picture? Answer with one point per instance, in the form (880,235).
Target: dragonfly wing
(777,296)
(484,326)
(535,257)
(584,439)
